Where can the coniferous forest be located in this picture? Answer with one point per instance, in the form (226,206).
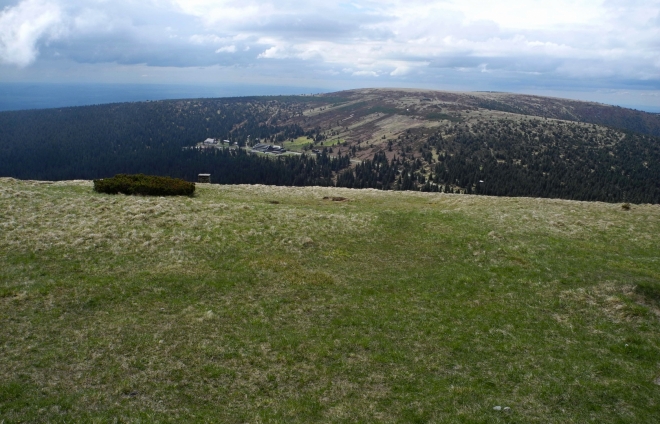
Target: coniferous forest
(361,140)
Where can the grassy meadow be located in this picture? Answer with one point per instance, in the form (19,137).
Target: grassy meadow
(300,143)
(273,304)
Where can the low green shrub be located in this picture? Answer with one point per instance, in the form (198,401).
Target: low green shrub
(145,185)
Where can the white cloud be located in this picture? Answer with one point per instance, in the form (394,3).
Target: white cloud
(206,39)
(532,14)
(612,41)
(227,49)
(23,26)
(273,53)
(365,74)
(226,12)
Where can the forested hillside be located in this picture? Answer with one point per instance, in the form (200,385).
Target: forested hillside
(483,143)
(152,138)
(571,110)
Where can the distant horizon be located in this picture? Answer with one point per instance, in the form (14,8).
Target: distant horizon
(26,96)
(591,50)
(39,95)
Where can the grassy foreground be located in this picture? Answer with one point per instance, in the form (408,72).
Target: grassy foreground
(271,304)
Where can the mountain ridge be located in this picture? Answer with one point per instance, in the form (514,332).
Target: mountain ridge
(403,139)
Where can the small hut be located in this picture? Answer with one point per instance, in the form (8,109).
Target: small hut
(204,178)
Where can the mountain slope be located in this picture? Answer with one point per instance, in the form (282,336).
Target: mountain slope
(484,143)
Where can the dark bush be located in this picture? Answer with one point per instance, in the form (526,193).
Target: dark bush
(146,185)
(649,290)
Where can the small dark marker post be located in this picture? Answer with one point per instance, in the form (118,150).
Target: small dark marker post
(204,178)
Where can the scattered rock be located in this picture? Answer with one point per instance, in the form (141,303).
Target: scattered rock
(625,206)
(273,202)
(209,314)
(657,381)
(497,408)
(306,241)
(506,409)
(335,198)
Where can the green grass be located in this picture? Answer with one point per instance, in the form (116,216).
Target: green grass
(388,307)
(332,142)
(299,144)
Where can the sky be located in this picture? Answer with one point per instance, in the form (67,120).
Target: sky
(600,50)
